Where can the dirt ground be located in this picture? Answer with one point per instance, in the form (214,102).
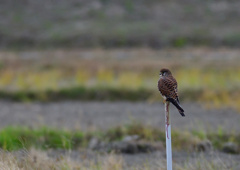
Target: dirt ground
(105,115)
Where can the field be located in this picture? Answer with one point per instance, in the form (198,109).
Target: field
(205,75)
(78,84)
(93,135)
(43,119)
(111,24)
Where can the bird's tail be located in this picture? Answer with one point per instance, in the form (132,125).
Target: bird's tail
(177,105)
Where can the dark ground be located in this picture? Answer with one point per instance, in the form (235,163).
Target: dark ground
(105,115)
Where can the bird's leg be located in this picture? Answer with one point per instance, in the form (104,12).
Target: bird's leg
(167,121)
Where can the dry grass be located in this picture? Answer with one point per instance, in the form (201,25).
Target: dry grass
(35,159)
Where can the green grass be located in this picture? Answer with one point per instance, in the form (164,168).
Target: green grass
(78,93)
(14,138)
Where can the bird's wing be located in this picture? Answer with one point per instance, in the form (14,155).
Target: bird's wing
(176,91)
(168,87)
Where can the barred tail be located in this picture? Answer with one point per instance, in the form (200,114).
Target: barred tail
(177,105)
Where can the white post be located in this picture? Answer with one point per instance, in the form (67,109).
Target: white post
(168,137)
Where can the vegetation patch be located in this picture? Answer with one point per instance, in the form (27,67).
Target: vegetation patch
(212,88)
(36,159)
(14,138)
(204,75)
(78,93)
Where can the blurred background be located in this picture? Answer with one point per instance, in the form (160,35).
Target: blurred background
(81,65)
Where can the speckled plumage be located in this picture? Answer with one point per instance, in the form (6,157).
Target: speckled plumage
(167,85)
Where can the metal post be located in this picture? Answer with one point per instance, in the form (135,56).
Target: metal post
(168,137)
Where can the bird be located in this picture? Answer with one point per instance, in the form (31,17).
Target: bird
(167,85)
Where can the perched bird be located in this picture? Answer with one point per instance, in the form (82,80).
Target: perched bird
(167,85)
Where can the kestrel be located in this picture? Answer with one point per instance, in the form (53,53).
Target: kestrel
(167,85)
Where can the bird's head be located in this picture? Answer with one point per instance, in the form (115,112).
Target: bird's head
(165,72)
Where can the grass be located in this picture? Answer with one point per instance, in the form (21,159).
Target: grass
(25,148)
(204,75)
(214,88)
(78,93)
(36,159)
(14,138)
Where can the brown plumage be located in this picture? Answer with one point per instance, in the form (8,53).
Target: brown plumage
(167,85)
